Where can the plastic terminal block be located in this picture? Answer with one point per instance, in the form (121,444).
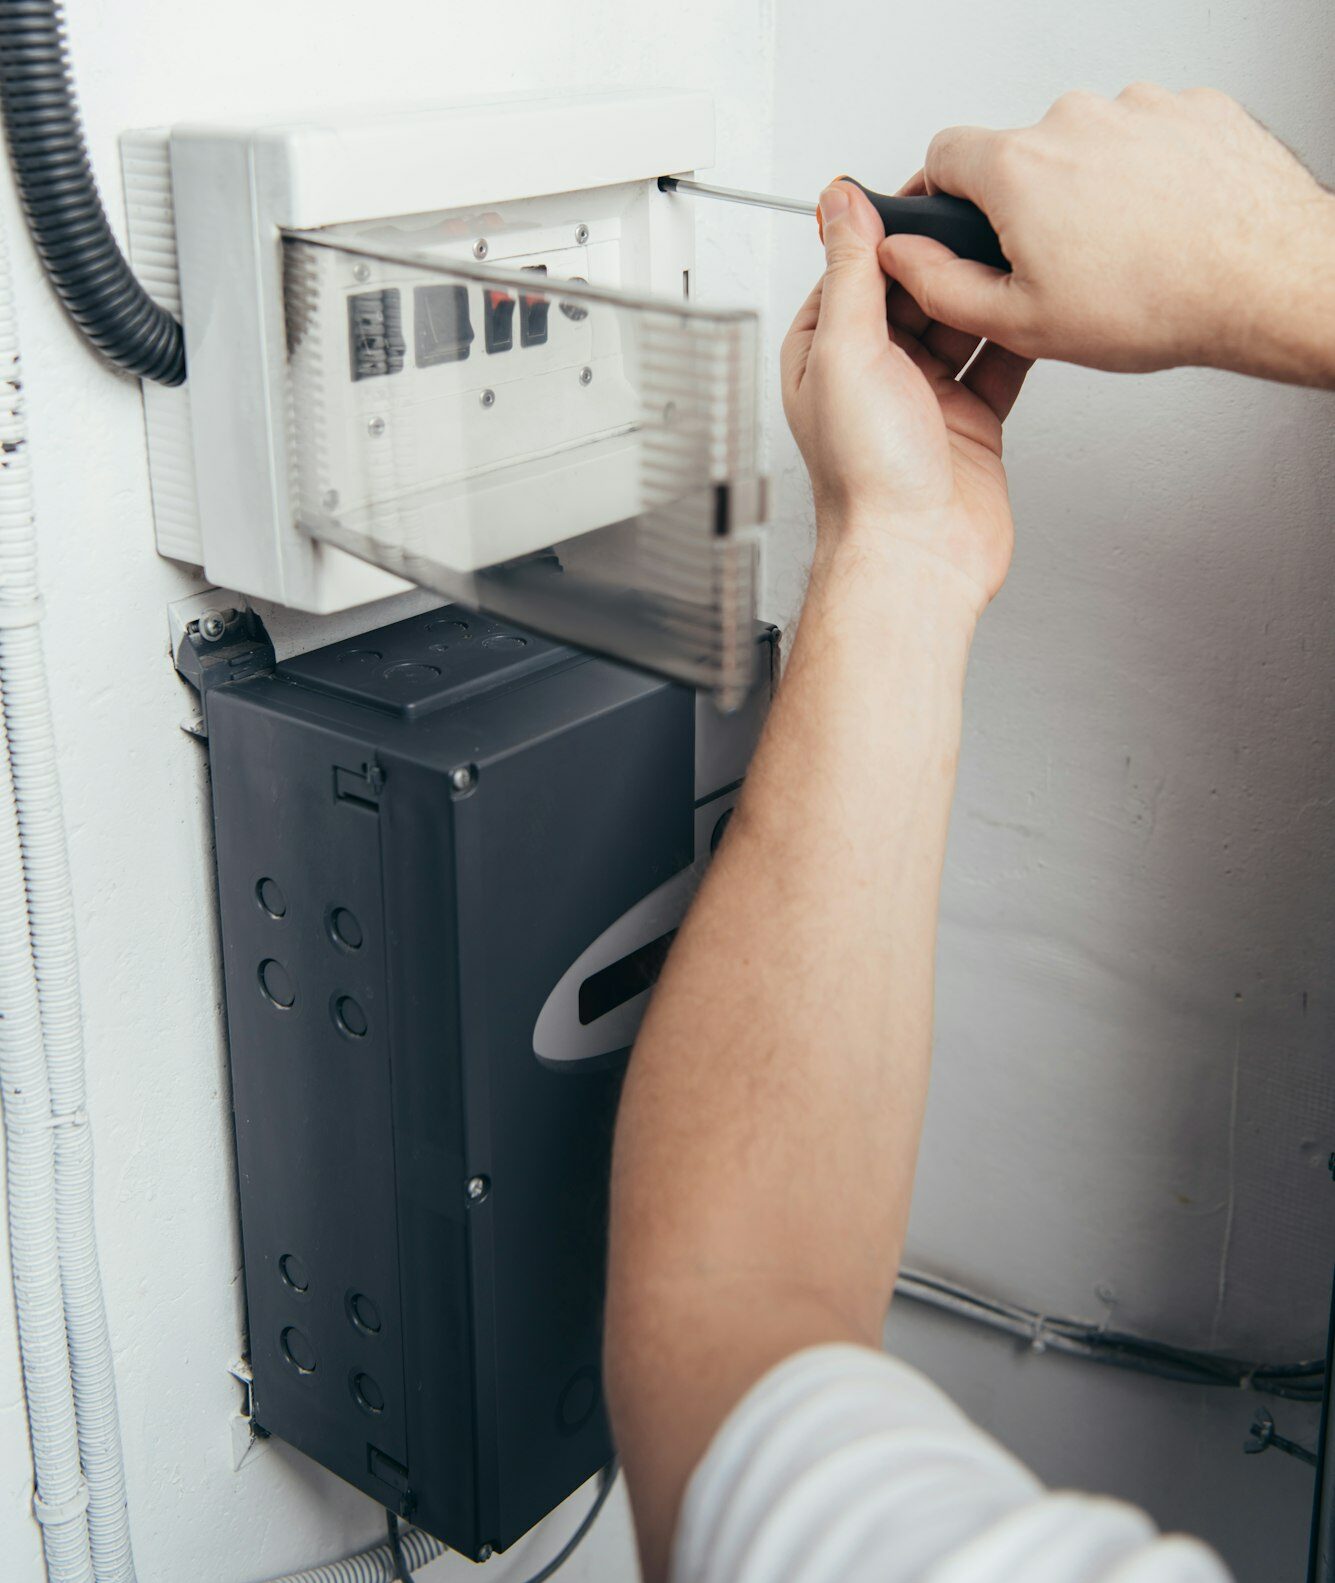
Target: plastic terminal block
(375,333)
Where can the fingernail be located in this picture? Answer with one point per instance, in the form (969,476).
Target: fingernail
(834,201)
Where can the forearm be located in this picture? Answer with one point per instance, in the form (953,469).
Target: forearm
(769,1126)
(1283,326)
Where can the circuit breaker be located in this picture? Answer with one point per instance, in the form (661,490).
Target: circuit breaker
(451,858)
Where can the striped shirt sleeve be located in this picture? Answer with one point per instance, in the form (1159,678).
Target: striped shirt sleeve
(843,1465)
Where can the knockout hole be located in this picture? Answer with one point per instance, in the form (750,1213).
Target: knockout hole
(367,1394)
(349,1017)
(363,1313)
(345,928)
(294,1272)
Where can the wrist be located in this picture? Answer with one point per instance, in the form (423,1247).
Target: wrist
(878,562)
(1282,324)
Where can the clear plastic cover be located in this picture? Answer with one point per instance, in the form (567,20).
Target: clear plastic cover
(563,454)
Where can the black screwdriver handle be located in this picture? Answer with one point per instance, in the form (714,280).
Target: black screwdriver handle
(961,225)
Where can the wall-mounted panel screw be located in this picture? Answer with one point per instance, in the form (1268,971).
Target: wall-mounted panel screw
(361,272)
(463,777)
(1264,1435)
(375,428)
(476,1189)
(487,397)
(586,375)
(581,234)
(480,247)
(211,625)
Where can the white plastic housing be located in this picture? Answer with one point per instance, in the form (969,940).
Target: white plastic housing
(223,444)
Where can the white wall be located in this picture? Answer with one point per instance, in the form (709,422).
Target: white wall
(1145,829)
(134,785)
(1136,1005)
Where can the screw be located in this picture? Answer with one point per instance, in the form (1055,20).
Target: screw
(477,1189)
(1106,1294)
(581,234)
(361,272)
(1264,1435)
(480,247)
(375,428)
(463,777)
(485,1553)
(329,499)
(211,625)
(487,397)
(586,375)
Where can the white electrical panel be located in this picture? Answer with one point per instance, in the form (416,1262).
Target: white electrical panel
(458,347)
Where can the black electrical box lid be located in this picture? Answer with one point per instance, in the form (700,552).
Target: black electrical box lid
(427,662)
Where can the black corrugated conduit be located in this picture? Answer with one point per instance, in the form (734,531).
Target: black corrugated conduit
(60,198)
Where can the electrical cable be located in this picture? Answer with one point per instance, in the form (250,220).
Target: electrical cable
(1301,1381)
(401,1572)
(410,1547)
(606,1479)
(69,226)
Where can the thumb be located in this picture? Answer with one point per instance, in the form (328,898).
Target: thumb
(954,291)
(852,300)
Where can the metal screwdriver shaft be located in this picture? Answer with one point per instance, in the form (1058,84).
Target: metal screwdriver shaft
(757,200)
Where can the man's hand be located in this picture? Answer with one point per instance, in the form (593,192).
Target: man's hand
(1147,231)
(902,455)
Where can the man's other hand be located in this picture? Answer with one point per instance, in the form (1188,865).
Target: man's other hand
(903,456)
(1147,231)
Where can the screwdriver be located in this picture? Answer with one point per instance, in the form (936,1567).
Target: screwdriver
(961,225)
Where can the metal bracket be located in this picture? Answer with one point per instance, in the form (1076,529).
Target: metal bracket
(216,639)
(1264,1435)
(247,1436)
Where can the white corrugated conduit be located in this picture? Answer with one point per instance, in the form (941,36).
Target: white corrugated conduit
(375,1565)
(30,1126)
(50,913)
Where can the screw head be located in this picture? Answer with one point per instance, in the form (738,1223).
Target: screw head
(586,375)
(485,1553)
(487,398)
(477,1189)
(480,247)
(581,234)
(211,625)
(462,777)
(375,428)
(361,272)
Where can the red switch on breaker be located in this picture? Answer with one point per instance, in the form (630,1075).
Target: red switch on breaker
(498,320)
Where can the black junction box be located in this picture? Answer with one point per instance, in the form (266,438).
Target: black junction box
(450,858)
